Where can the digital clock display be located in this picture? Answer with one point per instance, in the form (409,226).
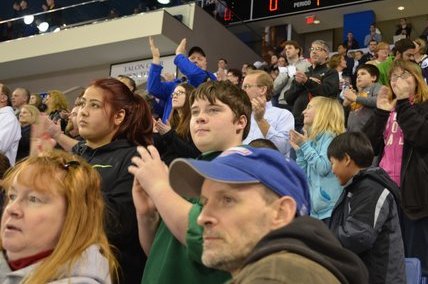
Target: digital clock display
(271,8)
(268,8)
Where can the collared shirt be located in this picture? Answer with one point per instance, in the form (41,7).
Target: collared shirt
(10,133)
(281,121)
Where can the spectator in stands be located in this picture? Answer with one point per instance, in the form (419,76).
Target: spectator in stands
(113,121)
(52,226)
(57,107)
(246,67)
(324,120)
(267,121)
(254,224)
(128,81)
(381,53)
(221,73)
(286,75)
(318,81)
(220,119)
(371,53)
(338,63)
(395,133)
(404,49)
(343,50)
(20,97)
(72,128)
(234,76)
(351,42)
(373,35)
(193,67)
(404,28)
(365,219)
(273,60)
(27,117)
(421,57)
(362,102)
(36,100)
(173,139)
(54,19)
(282,61)
(10,131)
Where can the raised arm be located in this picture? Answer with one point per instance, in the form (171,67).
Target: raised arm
(152,175)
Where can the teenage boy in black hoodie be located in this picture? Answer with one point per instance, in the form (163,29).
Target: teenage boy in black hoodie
(365,218)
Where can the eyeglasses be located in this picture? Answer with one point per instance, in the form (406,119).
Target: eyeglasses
(178,93)
(247,86)
(403,76)
(318,48)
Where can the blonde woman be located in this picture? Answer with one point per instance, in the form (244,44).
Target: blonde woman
(57,106)
(323,120)
(52,228)
(382,51)
(28,115)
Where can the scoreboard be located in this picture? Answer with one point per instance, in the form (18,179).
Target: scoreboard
(248,10)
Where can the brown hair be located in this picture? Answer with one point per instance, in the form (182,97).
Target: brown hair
(180,118)
(421,92)
(228,94)
(137,125)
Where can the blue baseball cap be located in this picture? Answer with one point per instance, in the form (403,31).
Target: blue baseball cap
(243,165)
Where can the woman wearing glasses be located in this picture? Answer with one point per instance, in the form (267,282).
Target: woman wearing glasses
(173,139)
(52,228)
(398,135)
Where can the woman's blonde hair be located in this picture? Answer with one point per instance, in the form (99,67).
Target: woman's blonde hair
(57,101)
(329,117)
(79,184)
(35,113)
(421,92)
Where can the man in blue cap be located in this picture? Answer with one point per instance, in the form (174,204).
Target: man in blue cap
(254,206)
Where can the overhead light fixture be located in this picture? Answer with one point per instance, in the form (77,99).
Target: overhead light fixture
(43,27)
(28,20)
(400,8)
(164,2)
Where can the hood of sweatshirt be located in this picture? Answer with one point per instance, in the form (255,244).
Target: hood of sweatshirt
(312,239)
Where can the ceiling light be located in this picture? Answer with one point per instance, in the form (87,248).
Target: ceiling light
(43,27)
(400,8)
(164,2)
(28,20)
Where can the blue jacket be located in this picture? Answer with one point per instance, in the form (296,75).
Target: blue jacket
(324,188)
(164,90)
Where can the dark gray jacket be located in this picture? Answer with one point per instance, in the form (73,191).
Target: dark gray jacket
(365,220)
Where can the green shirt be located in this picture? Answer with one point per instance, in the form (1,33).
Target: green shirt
(384,69)
(172,262)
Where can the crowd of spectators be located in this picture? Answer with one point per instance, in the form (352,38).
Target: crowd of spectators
(295,170)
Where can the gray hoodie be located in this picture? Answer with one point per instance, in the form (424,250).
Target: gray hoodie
(91,268)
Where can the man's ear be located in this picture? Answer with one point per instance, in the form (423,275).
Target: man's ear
(241,123)
(285,212)
(119,117)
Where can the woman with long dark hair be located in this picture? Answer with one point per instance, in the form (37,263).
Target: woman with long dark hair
(113,121)
(173,139)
